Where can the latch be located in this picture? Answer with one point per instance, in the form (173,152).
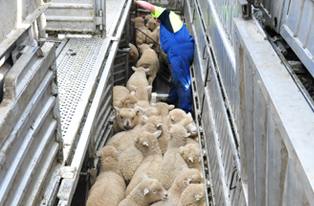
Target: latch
(245,8)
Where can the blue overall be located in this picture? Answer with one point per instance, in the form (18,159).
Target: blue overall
(179,47)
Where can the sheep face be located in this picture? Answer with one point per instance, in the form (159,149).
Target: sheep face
(154,191)
(191,154)
(127,118)
(138,22)
(189,124)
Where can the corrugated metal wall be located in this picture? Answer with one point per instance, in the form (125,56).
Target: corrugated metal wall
(277,125)
(31,145)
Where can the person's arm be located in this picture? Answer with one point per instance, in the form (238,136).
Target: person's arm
(146,5)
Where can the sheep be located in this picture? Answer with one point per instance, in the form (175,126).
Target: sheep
(152,24)
(173,163)
(146,192)
(149,59)
(191,153)
(147,143)
(163,108)
(193,195)
(184,179)
(123,98)
(139,84)
(126,119)
(151,111)
(179,116)
(133,54)
(130,157)
(109,188)
(154,39)
(143,94)
(147,17)
(141,31)
(143,104)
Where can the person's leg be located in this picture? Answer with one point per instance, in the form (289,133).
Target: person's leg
(173,95)
(180,57)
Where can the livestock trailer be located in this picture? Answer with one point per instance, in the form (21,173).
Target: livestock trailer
(252,86)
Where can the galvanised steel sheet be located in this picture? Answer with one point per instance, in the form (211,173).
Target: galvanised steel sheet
(297,28)
(14,13)
(221,44)
(78,67)
(277,125)
(223,154)
(31,144)
(71,16)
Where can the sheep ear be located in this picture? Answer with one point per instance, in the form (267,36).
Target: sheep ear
(157,133)
(191,159)
(144,176)
(145,191)
(197,197)
(146,70)
(186,183)
(187,134)
(172,118)
(134,68)
(159,124)
(189,114)
(116,108)
(132,93)
(144,118)
(98,153)
(149,88)
(171,106)
(150,45)
(145,144)
(133,88)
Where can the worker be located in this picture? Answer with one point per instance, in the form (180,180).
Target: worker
(178,44)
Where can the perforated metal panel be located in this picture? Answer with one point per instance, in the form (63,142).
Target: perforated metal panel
(77,68)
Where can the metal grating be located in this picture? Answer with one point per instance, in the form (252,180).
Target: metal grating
(74,68)
(113,8)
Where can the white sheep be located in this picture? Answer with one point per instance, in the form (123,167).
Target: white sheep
(163,108)
(173,162)
(143,94)
(179,116)
(109,188)
(141,31)
(154,39)
(147,17)
(147,143)
(149,59)
(152,24)
(126,119)
(184,179)
(130,157)
(123,98)
(191,153)
(138,83)
(193,195)
(146,192)
(133,54)
(151,111)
